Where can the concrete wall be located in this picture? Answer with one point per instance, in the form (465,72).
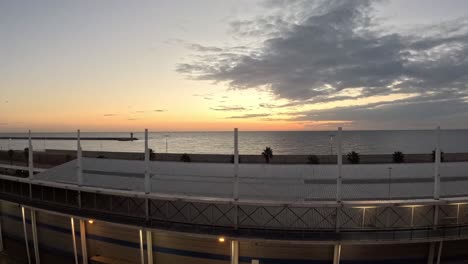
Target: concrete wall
(171,248)
(414,253)
(454,252)
(122,243)
(59,249)
(53,157)
(12,231)
(268,252)
(117,242)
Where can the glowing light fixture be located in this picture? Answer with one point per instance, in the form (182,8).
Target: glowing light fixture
(458,203)
(90,221)
(221,239)
(365,207)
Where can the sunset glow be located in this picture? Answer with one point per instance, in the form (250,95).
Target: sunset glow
(163,66)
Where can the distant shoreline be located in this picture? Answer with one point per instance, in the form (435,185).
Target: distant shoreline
(73,138)
(240,131)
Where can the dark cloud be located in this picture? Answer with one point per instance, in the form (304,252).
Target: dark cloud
(330,51)
(202,95)
(159,110)
(229,108)
(403,109)
(248,116)
(207,96)
(201,48)
(269,106)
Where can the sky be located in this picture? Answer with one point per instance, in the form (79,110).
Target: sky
(182,65)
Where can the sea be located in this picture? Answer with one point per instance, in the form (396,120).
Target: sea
(282,142)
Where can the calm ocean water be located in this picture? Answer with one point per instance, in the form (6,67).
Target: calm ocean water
(291,142)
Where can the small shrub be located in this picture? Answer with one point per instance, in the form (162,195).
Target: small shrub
(267,154)
(398,157)
(353,157)
(101,157)
(185,158)
(313,159)
(441,156)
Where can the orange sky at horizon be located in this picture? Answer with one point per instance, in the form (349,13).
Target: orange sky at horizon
(63,71)
(63,112)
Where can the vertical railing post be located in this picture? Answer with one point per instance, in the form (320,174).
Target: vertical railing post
(84,247)
(437,166)
(75,251)
(236,164)
(147,165)
(26,240)
(340,164)
(34,236)
(79,165)
(30,164)
(236,177)
(336,253)
(79,159)
(142,250)
(30,157)
(432,245)
(149,246)
(439,252)
(234,252)
(1,238)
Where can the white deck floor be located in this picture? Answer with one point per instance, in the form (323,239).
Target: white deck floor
(269,181)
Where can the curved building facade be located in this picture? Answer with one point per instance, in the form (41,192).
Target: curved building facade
(128,211)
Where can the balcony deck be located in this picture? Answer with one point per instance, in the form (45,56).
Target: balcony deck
(269,182)
(293,202)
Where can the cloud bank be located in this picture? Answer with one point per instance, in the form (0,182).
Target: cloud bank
(329,51)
